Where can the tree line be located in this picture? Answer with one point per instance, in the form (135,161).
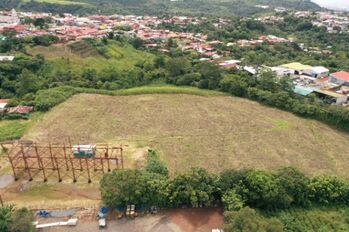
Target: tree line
(240,192)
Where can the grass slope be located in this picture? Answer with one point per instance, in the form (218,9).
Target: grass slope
(120,57)
(14,129)
(215,132)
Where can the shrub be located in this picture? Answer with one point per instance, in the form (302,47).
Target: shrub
(154,165)
(195,188)
(5,217)
(232,201)
(21,221)
(328,189)
(248,220)
(46,99)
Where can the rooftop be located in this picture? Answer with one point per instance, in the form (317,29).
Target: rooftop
(341,75)
(296,66)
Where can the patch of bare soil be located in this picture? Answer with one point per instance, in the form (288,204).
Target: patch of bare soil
(196,220)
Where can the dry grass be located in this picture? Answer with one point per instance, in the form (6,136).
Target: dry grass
(214,132)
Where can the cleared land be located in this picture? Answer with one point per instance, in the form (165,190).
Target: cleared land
(215,132)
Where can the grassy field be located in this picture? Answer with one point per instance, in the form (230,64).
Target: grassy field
(215,132)
(119,57)
(14,129)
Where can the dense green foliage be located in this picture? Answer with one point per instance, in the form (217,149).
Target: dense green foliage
(154,165)
(15,220)
(282,189)
(285,200)
(145,188)
(247,219)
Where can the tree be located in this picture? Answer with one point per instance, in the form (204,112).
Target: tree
(177,66)
(142,188)
(286,84)
(328,190)
(267,80)
(232,201)
(234,84)
(21,221)
(122,187)
(210,75)
(45,40)
(295,184)
(195,188)
(28,82)
(188,79)
(262,190)
(137,43)
(40,22)
(247,220)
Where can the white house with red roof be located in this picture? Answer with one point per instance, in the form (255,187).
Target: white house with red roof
(340,78)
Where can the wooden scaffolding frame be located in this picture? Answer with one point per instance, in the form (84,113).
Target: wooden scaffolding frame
(44,160)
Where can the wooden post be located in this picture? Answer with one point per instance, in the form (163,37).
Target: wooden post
(73,169)
(88,171)
(13,167)
(51,155)
(102,163)
(26,163)
(107,156)
(122,157)
(41,166)
(65,157)
(94,164)
(58,171)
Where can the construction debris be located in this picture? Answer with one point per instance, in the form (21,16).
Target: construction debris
(70,222)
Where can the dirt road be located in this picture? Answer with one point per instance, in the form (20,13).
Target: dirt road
(179,220)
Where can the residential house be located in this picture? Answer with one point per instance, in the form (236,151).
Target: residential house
(19,110)
(340,78)
(317,72)
(296,68)
(331,96)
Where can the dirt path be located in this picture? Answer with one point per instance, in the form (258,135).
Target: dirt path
(178,220)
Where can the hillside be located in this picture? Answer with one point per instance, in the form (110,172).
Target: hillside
(79,56)
(215,132)
(159,7)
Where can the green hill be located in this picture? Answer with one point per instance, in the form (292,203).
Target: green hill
(159,7)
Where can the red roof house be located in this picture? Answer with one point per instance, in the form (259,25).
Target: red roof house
(341,78)
(19,109)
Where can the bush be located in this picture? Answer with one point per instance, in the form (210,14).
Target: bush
(329,190)
(247,220)
(154,165)
(232,201)
(124,187)
(46,99)
(5,217)
(21,221)
(195,188)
